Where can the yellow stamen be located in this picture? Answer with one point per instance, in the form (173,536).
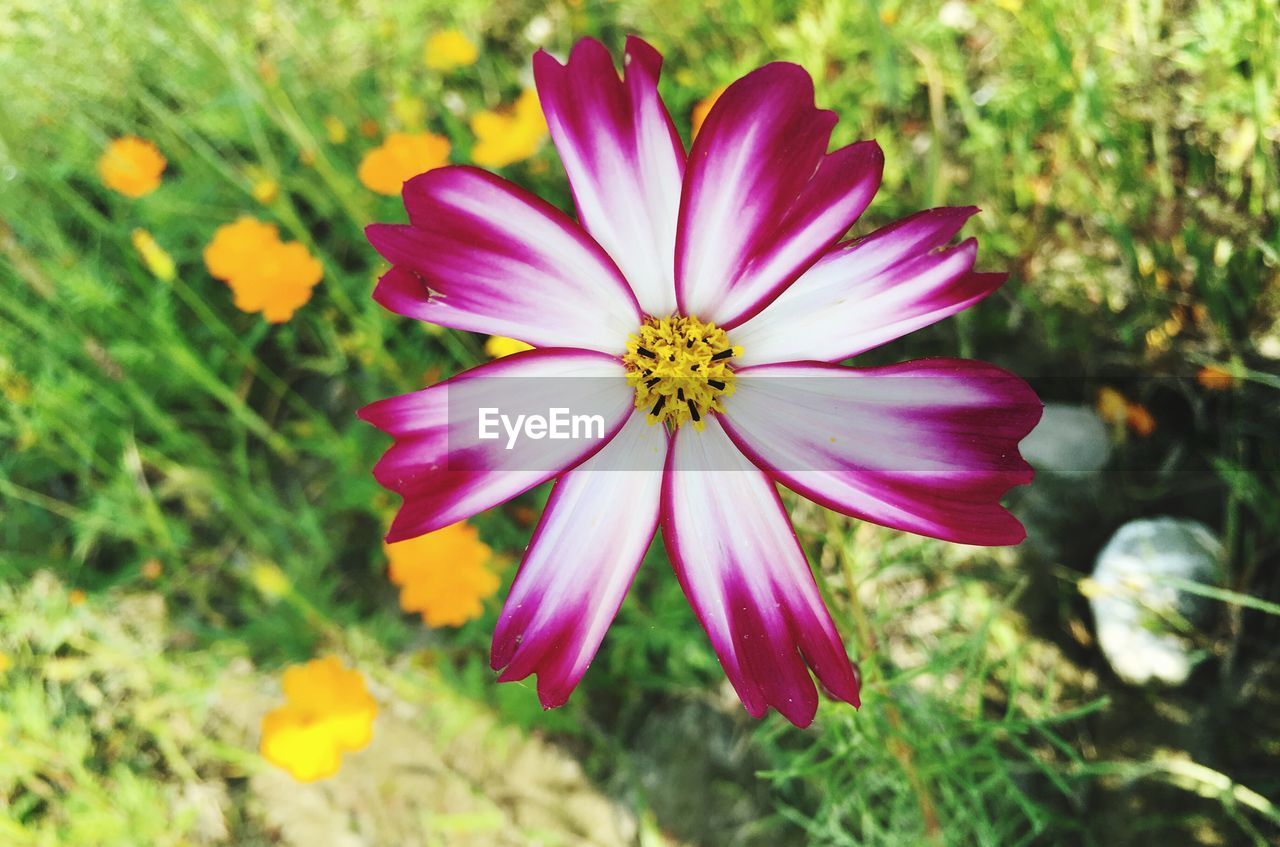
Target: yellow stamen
(679,367)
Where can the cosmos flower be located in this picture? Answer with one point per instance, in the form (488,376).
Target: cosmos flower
(265,274)
(443,575)
(449,49)
(328,711)
(131,166)
(402,155)
(509,135)
(704,302)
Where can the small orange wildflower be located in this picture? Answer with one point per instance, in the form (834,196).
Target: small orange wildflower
(76,597)
(265,274)
(402,156)
(449,49)
(703,108)
(443,574)
(498,346)
(131,166)
(328,711)
(1212,378)
(1141,421)
(509,135)
(1118,411)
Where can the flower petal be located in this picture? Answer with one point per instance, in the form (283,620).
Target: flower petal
(870,291)
(762,199)
(928,446)
(624,159)
(443,467)
(596,528)
(481,254)
(738,560)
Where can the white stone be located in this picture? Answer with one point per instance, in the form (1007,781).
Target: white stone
(1137,611)
(1068,440)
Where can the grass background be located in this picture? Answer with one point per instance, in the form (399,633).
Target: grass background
(1124,155)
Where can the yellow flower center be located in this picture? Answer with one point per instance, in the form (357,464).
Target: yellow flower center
(679,367)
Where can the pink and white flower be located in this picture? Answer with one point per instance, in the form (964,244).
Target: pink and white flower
(727,262)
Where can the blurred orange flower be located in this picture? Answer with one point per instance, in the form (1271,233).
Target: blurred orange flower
(509,135)
(402,156)
(498,346)
(449,49)
(328,711)
(443,574)
(1117,410)
(1215,379)
(1140,420)
(131,166)
(703,107)
(265,274)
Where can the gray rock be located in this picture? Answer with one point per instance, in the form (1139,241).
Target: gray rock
(1143,622)
(1069,440)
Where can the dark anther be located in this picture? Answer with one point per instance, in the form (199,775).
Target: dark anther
(723,354)
(652,382)
(693,411)
(680,393)
(716,384)
(657,407)
(646,353)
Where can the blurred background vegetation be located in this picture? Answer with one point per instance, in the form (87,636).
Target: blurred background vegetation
(186,505)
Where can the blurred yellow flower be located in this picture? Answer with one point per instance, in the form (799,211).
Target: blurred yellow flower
(401,157)
(1111,405)
(334,129)
(498,346)
(443,574)
(153,256)
(131,166)
(266,190)
(509,135)
(328,711)
(265,274)
(449,49)
(152,569)
(76,597)
(270,581)
(369,128)
(1213,378)
(5,663)
(410,111)
(703,108)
